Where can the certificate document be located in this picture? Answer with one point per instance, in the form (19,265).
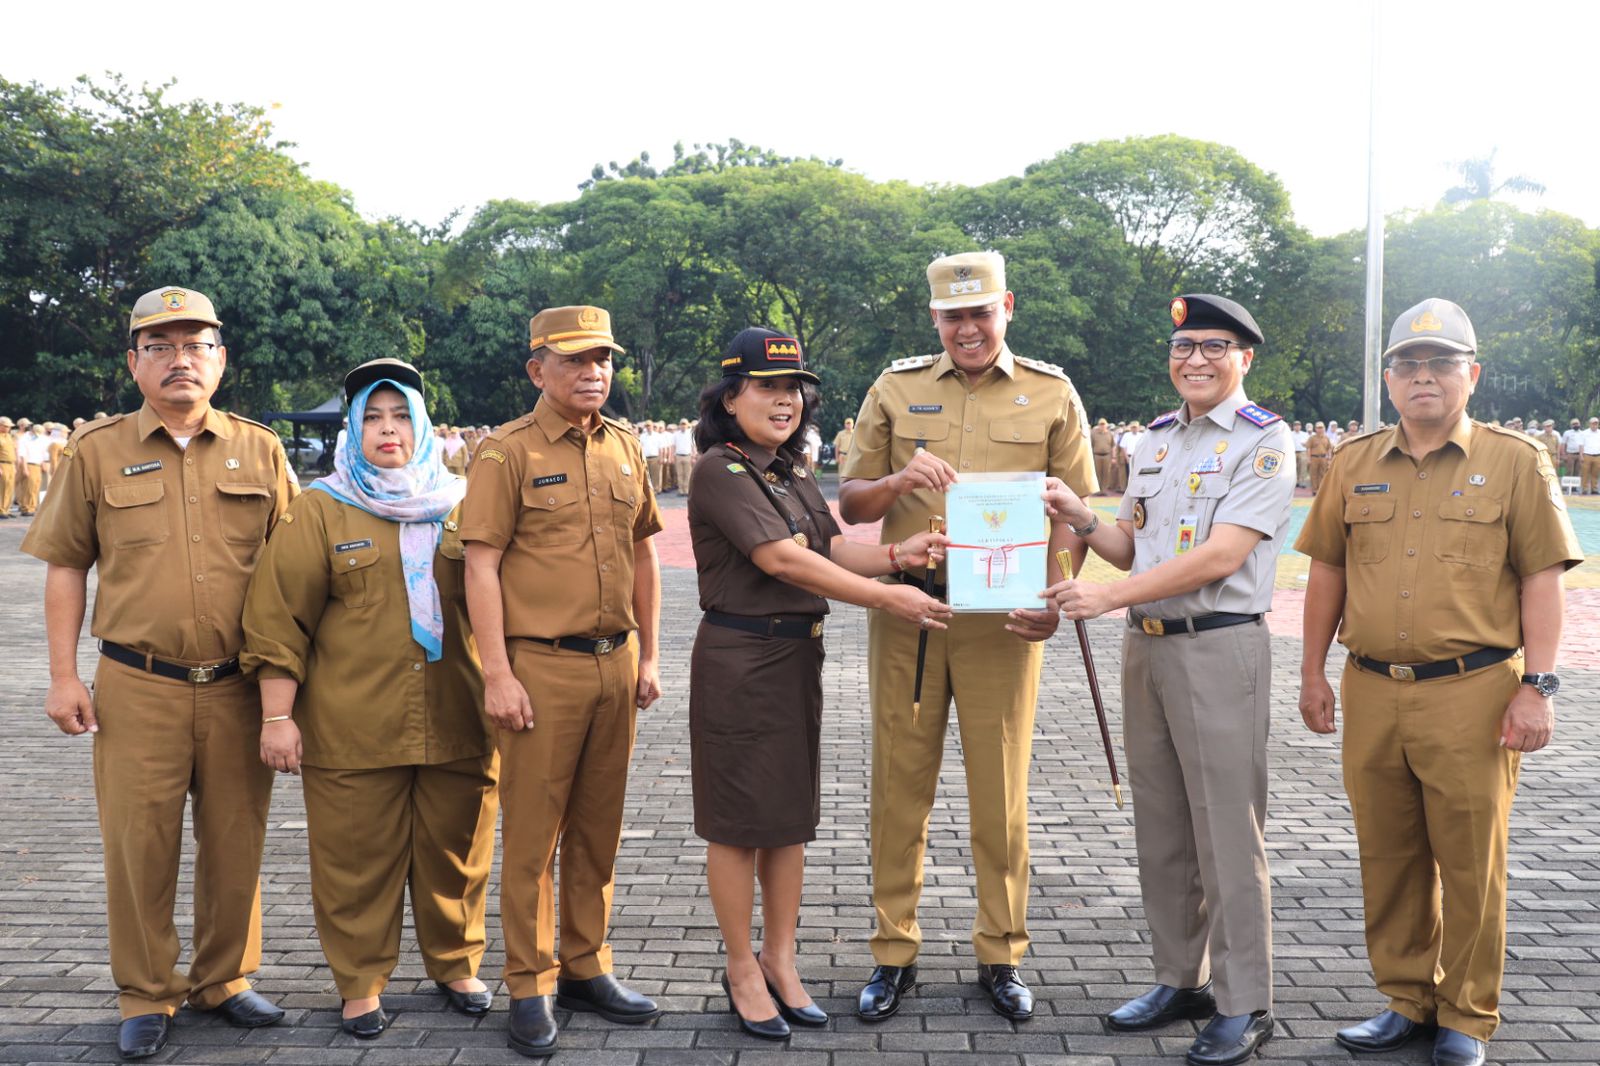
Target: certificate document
(999,541)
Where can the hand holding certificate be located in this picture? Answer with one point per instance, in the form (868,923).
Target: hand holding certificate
(999,541)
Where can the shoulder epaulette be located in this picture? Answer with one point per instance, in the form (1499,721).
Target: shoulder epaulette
(1351,438)
(503,429)
(249,422)
(910,362)
(1164,420)
(71,447)
(1504,432)
(617,423)
(1042,367)
(1257,415)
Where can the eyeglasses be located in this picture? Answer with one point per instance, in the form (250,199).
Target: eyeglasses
(1437,365)
(1212,349)
(164,353)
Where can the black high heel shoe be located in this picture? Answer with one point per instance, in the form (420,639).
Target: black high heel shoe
(811,1016)
(774,1028)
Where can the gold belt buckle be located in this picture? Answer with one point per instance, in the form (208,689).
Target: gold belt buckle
(816,629)
(603,646)
(1154,626)
(1402,673)
(199,675)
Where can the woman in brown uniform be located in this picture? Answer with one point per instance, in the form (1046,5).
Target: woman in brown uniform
(356,627)
(768,552)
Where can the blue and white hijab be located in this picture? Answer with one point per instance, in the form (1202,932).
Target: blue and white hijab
(418,496)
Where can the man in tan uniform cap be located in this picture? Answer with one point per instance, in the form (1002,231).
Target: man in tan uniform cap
(1104,442)
(558,495)
(843,441)
(172,505)
(1319,455)
(8,466)
(925,422)
(1438,548)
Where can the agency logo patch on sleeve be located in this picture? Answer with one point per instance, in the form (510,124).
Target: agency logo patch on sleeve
(1267,463)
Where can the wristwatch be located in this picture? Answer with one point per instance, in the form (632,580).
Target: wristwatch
(1547,684)
(1094,524)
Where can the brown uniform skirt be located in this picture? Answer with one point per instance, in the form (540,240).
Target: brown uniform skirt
(755,734)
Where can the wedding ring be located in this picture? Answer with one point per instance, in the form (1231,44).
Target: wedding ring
(925,622)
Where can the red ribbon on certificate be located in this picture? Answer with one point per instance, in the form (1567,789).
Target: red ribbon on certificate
(1002,552)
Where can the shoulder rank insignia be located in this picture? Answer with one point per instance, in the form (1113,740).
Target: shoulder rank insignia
(1043,368)
(1165,420)
(492,454)
(1258,416)
(910,362)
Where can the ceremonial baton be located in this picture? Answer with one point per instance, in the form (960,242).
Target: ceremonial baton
(931,587)
(1064,560)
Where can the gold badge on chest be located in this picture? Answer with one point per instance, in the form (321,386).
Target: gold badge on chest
(802,540)
(1138,514)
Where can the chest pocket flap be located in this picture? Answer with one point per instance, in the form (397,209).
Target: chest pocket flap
(244,512)
(136,515)
(135,493)
(1146,486)
(1211,487)
(355,579)
(1470,509)
(1016,431)
(921,428)
(1368,509)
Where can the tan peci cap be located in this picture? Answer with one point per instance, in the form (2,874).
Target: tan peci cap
(572,329)
(1433,322)
(4,421)
(171,304)
(970,279)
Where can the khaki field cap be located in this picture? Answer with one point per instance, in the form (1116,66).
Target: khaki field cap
(171,304)
(4,421)
(1433,323)
(970,279)
(572,329)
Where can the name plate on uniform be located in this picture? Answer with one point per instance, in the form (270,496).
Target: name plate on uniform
(999,542)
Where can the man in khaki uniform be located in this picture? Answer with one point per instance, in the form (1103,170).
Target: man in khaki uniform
(683,455)
(1437,553)
(1319,455)
(927,421)
(172,505)
(32,453)
(8,466)
(557,495)
(1104,443)
(1200,529)
(1551,441)
(843,441)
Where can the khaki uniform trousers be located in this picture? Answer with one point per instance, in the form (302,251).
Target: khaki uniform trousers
(994,678)
(684,468)
(28,477)
(562,784)
(657,468)
(1431,790)
(1195,714)
(373,832)
(159,741)
(8,487)
(1102,470)
(1302,469)
(1319,470)
(1589,471)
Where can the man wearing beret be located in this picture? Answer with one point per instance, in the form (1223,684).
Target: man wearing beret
(171,505)
(925,422)
(1437,552)
(554,496)
(1200,527)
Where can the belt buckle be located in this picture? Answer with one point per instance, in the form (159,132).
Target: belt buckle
(1402,673)
(199,675)
(604,645)
(816,629)
(1154,626)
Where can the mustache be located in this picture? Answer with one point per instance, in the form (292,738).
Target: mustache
(180,376)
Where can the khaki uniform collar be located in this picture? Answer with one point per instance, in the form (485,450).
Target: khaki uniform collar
(214,423)
(555,427)
(1225,414)
(1005,362)
(1460,436)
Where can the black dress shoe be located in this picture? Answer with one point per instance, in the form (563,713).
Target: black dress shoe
(1163,1004)
(1230,1038)
(368,1026)
(144,1035)
(472,1004)
(607,997)
(1009,997)
(249,1010)
(1382,1032)
(811,1016)
(773,1028)
(880,996)
(1453,1048)
(532,1031)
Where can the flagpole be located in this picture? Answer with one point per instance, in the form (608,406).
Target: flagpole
(1372,394)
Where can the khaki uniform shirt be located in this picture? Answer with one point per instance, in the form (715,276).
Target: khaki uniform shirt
(730,516)
(1319,446)
(842,441)
(1103,440)
(1433,552)
(1022,415)
(174,532)
(328,608)
(8,452)
(1193,474)
(566,507)
(1552,443)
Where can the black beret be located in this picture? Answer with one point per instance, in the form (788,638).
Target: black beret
(1203,311)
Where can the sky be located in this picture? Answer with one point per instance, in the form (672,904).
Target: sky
(421,110)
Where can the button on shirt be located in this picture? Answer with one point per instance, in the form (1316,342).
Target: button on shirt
(566,507)
(1217,469)
(1434,551)
(174,532)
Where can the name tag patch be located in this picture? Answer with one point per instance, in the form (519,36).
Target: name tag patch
(1149,470)
(926,408)
(1369,490)
(352,545)
(141,468)
(549,479)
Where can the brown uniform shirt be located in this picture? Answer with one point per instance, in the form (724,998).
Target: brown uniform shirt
(1433,552)
(729,517)
(566,508)
(1319,446)
(1103,440)
(174,532)
(1022,415)
(8,451)
(328,608)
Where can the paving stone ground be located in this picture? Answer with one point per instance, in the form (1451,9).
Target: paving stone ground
(1090,948)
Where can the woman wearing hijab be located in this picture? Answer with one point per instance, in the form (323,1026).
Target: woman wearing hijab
(769,556)
(356,628)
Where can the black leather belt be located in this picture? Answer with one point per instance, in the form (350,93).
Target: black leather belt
(1166,627)
(602,646)
(198,675)
(795,627)
(1428,671)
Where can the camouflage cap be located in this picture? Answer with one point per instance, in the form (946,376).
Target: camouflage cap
(171,304)
(970,279)
(1432,323)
